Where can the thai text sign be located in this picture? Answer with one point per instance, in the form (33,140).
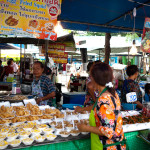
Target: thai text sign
(30,18)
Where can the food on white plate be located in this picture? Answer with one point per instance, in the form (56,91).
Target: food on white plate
(35,131)
(74,132)
(39,138)
(15,143)
(12,131)
(59,126)
(46,117)
(24,134)
(4,131)
(42,126)
(3,144)
(20,130)
(51,111)
(2,137)
(50,137)
(34,110)
(59,115)
(66,122)
(12,135)
(27,141)
(69,125)
(53,123)
(64,133)
(48,130)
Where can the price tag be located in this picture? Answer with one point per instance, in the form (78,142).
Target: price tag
(131,97)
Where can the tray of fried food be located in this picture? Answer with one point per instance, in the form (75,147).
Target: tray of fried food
(19,97)
(34,110)
(4,109)
(21,111)
(19,119)
(5,121)
(32,118)
(135,119)
(46,117)
(51,111)
(7,115)
(59,115)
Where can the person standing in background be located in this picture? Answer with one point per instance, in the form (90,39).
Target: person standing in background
(14,65)
(147,92)
(1,71)
(8,69)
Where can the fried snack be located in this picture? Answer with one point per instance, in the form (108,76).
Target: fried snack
(31,118)
(18,108)
(33,23)
(19,97)
(74,131)
(11,21)
(34,110)
(22,113)
(6,115)
(3,121)
(64,132)
(4,109)
(19,119)
(46,117)
(59,115)
(59,126)
(51,111)
(69,125)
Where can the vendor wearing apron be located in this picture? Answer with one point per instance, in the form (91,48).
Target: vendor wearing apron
(42,87)
(105,118)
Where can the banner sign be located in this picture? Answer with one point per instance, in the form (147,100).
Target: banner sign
(145,44)
(30,18)
(62,59)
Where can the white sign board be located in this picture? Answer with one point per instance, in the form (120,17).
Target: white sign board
(131,97)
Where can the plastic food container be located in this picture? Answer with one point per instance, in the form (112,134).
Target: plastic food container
(27,141)
(48,130)
(24,134)
(12,136)
(15,143)
(3,144)
(51,137)
(39,138)
(64,134)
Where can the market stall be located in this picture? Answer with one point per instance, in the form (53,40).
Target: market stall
(29,126)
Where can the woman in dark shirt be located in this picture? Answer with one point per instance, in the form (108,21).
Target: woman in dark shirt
(130,85)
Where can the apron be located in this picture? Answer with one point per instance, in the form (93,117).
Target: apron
(37,91)
(95,141)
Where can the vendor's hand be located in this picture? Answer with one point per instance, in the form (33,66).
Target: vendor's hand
(38,100)
(78,109)
(82,127)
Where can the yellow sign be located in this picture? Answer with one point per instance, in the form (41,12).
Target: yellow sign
(31,18)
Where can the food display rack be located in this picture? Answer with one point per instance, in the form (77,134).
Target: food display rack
(59,139)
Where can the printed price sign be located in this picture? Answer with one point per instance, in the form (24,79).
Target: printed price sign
(131,97)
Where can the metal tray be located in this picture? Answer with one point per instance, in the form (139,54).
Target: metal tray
(59,139)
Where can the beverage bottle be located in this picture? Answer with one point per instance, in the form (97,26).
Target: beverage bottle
(14,83)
